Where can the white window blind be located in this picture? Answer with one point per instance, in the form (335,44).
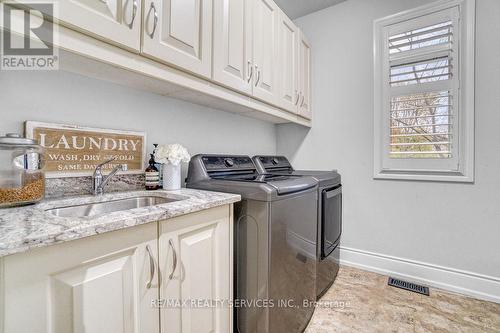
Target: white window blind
(421,114)
(421,126)
(436,34)
(418,86)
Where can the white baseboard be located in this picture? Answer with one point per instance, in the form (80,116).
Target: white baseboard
(462,282)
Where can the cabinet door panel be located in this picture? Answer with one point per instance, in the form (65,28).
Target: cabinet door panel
(305,77)
(79,299)
(233,44)
(265,50)
(179,32)
(198,247)
(116,21)
(288,62)
(90,285)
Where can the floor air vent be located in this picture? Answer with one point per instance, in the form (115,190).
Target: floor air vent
(409,286)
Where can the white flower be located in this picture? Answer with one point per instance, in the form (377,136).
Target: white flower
(173,153)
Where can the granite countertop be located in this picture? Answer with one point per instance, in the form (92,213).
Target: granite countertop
(29,227)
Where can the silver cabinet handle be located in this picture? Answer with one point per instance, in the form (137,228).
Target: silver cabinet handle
(257,73)
(151,268)
(152,34)
(134,14)
(298,97)
(250,69)
(174,263)
(302,103)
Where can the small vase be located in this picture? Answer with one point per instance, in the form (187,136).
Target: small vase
(171,177)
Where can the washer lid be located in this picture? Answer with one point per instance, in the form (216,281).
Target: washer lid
(253,177)
(323,177)
(292,184)
(283,184)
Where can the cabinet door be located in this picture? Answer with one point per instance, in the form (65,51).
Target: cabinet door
(179,32)
(265,36)
(288,61)
(233,44)
(196,259)
(116,21)
(305,77)
(91,285)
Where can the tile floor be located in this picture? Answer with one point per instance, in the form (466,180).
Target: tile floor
(361,301)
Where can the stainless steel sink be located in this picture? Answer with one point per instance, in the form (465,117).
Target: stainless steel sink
(99,208)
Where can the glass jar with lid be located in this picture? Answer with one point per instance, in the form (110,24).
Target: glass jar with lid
(22,180)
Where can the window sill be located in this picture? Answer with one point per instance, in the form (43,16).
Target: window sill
(455,177)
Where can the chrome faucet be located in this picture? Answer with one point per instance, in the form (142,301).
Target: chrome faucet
(99,181)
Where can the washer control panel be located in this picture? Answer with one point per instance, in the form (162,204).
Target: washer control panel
(273,162)
(227,163)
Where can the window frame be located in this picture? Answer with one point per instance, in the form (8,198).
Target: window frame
(463,128)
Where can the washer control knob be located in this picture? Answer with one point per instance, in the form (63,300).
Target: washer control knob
(229,162)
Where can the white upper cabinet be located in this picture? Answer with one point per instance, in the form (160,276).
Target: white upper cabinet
(179,32)
(248,46)
(265,37)
(116,21)
(304,77)
(232,63)
(288,61)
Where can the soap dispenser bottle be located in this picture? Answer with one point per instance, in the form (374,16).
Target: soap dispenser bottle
(159,167)
(152,175)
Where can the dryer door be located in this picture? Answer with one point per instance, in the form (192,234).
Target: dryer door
(331,220)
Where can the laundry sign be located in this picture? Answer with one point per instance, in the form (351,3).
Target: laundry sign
(74,151)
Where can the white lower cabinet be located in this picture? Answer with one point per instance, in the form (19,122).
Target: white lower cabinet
(90,285)
(112,283)
(196,281)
